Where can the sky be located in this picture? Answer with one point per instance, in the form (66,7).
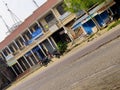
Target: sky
(21,8)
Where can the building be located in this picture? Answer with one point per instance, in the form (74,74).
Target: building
(6,76)
(102,15)
(39,33)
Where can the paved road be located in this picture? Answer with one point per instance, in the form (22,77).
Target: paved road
(98,70)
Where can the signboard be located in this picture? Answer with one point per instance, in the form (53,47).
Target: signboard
(9,57)
(10,60)
(53,28)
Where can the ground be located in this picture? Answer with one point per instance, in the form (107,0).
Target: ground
(80,70)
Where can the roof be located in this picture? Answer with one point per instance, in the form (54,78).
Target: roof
(37,13)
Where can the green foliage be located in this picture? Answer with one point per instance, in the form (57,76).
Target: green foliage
(113,25)
(77,5)
(62,46)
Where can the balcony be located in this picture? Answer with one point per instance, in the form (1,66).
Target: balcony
(33,44)
(53,28)
(50,24)
(10,60)
(66,14)
(35,35)
(16,52)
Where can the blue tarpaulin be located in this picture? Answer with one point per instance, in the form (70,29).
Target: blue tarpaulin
(81,21)
(88,26)
(35,35)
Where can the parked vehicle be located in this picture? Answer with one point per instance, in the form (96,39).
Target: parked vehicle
(45,61)
(56,53)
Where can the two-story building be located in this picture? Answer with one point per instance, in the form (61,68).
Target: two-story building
(102,14)
(27,45)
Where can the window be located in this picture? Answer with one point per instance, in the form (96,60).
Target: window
(36,27)
(49,17)
(60,9)
(4,51)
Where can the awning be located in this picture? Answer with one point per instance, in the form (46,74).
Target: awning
(82,20)
(78,22)
(76,25)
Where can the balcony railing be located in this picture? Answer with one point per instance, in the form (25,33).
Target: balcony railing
(54,28)
(66,14)
(10,60)
(50,24)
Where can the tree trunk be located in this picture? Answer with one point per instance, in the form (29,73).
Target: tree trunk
(93,19)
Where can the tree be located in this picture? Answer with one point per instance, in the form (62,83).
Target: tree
(75,6)
(62,46)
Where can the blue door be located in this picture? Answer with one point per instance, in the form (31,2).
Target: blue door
(39,53)
(99,20)
(104,15)
(88,26)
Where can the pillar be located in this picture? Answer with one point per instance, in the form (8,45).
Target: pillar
(42,50)
(29,31)
(50,43)
(20,43)
(23,64)
(31,60)
(22,38)
(9,49)
(33,29)
(39,26)
(6,51)
(56,16)
(20,66)
(54,42)
(111,11)
(27,61)
(26,37)
(34,56)
(16,44)
(83,30)
(3,54)
(13,48)
(44,46)
(14,71)
(68,33)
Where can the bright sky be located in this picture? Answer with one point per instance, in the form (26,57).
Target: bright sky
(21,8)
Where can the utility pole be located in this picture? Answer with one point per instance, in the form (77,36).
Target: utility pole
(35,3)
(13,16)
(15,19)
